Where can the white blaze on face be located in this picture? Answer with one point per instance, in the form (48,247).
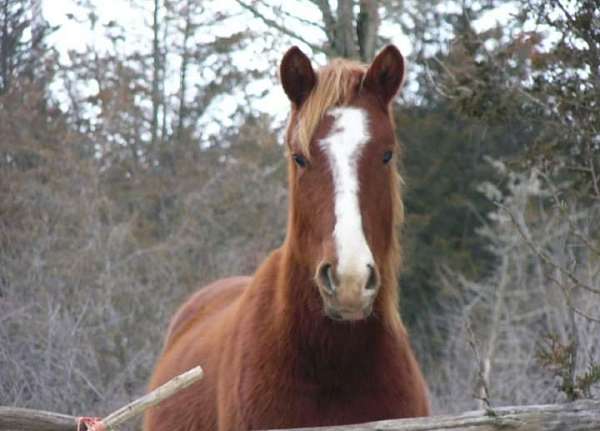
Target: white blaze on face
(343,146)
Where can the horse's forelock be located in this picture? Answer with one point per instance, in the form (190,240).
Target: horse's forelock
(337,83)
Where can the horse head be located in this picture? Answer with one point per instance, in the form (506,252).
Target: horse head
(344,201)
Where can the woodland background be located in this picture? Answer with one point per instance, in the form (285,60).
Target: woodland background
(125,184)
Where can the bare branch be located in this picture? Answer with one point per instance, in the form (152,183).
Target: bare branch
(584,314)
(592,167)
(484,393)
(557,202)
(159,394)
(299,19)
(328,19)
(544,256)
(281,28)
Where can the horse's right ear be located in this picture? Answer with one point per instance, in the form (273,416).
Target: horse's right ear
(385,75)
(297,76)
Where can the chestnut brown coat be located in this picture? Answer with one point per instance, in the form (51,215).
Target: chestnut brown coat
(301,343)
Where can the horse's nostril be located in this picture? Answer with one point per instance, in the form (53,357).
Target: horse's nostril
(326,278)
(373,281)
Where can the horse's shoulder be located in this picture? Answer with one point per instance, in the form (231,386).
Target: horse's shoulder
(207,300)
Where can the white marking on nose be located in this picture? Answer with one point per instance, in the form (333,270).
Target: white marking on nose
(344,147)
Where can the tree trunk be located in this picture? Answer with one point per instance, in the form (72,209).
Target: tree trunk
(345,45)
(367,28)
(37,28)
(187,32)
(155,79)
(5,80)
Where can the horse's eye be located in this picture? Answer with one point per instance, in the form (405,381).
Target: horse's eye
(387,156)
(299,159)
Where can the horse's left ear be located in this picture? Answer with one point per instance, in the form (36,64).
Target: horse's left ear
(297,76)
(385,74)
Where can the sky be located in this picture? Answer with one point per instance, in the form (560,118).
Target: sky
(74,33)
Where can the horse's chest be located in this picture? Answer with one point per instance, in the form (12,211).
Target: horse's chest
(298,404)
(345,405)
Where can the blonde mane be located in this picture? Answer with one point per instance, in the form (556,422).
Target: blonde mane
(336,84)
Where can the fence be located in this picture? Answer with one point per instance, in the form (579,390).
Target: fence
(577,416)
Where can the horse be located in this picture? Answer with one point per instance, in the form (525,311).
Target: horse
(314,337)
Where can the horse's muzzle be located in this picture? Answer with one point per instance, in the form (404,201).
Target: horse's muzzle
(349,296)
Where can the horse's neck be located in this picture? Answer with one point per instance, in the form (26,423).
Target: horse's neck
(319,348)
(325,350)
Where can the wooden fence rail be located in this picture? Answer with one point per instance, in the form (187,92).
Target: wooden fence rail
(578,416)
(16,419)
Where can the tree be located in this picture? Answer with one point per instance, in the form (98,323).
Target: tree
(525,321)
(542,87)
(157,68)
(348,34)
(22,35)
